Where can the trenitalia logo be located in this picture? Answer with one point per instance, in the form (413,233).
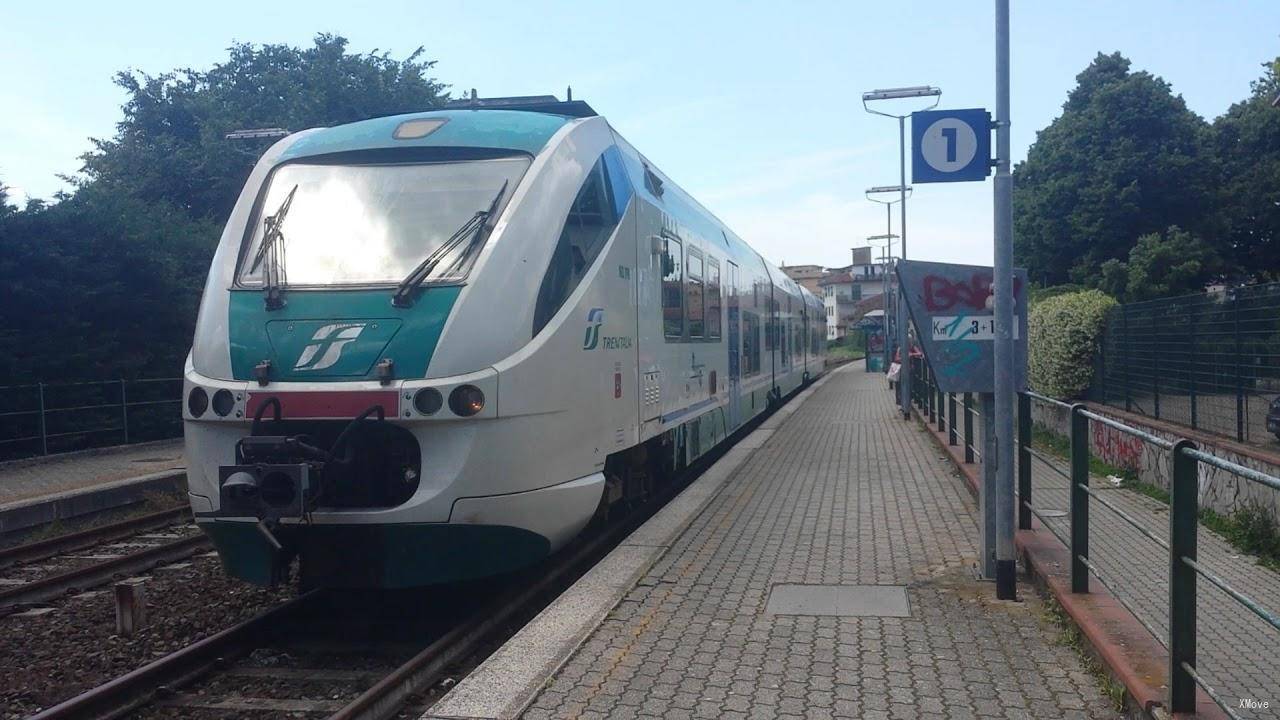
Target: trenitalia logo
(595,317)
(326,346)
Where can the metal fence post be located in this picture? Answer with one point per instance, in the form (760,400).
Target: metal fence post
(1024,461)
(968,427)
(951,419)
(1128,393)
(1191,368)
(1079,499)
(931,393)
(942,410)
(44,434)
(1183,521)
(124,411)
(1235,311)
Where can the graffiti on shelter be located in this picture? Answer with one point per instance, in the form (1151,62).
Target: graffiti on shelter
(940,293)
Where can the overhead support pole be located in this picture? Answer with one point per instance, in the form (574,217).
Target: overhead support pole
(918,91)
(1005,390)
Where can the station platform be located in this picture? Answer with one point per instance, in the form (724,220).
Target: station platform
(821,568)
(38,490)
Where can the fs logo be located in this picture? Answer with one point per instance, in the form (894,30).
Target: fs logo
(326,346)
(595,318)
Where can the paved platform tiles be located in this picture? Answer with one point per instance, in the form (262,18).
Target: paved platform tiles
(37,477)
(843,493)
(1236,649)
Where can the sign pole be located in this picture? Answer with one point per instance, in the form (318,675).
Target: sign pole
(1005,384)
(904,349)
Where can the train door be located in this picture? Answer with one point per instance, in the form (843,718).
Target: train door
(735,344)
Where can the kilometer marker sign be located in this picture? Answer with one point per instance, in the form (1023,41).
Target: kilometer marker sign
(950,306)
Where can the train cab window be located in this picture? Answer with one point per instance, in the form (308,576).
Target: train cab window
(595,213)
(694,293)
(672,288)
(713,298)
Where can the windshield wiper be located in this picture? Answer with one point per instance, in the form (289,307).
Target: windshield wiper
(476,228)
(271,250)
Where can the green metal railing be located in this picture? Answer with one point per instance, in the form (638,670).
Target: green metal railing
(1185,569)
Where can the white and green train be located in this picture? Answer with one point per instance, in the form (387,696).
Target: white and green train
(433,346)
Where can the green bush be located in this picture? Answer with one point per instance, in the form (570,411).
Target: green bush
(1063,334)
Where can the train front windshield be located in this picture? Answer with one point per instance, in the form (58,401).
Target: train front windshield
(372,224)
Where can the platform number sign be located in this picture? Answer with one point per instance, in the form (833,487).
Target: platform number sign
(950,145)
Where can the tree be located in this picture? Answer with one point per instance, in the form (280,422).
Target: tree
(1173,263)
(1126,158)
(105,282)
(1247,141)
(170,146)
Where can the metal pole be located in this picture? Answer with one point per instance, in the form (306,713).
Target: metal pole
(1235,312)
(1183,518)
(987,497)
(1006,578)
(1024,461)
(44,435)
(951,419)
(1079,499)
(968,428)
(904,376)
(124,411)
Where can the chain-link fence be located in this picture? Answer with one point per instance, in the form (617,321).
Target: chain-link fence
(1209,361)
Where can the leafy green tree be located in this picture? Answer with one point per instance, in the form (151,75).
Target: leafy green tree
(1173,263)
(99,285)
(1125,158)
(171,146)
(1247,140)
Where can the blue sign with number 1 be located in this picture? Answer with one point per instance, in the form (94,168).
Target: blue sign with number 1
(950,145)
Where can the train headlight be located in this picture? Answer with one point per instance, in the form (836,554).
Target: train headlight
(466,400)
(223,402)
(197,401)
(428,401)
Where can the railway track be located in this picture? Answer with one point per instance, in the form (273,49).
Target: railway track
(60,571)
(381,663)
(327,654)
(286,661)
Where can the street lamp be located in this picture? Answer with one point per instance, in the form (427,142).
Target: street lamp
(918,91)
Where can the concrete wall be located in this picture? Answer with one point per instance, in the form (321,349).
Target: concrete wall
(1221,491)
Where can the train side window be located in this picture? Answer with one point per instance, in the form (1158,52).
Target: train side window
(750,344)
(713,298)
(592,218)
(694,293)
(672,288)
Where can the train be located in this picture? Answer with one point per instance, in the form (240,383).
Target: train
(433,347)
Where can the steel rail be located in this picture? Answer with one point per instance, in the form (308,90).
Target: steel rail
(44,589)
(41,549)
(1208,690)
(386,697)
(133,689)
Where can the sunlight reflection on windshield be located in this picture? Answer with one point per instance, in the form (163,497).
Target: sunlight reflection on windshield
(372,224)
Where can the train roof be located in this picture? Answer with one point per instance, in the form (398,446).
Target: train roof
(505,129)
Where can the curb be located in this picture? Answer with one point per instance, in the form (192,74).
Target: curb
(509,680)
(1116,638)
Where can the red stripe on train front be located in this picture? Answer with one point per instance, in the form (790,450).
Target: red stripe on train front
(325,404)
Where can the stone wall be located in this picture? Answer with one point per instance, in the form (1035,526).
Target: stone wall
(1220,490)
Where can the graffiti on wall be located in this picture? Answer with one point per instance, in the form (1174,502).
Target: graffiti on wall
(1116,448)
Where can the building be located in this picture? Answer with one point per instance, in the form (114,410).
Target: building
(807,276)
(848,293)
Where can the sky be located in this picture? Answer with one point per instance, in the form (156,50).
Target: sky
(754,108)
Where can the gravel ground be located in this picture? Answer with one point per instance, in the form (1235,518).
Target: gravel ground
(49,658)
